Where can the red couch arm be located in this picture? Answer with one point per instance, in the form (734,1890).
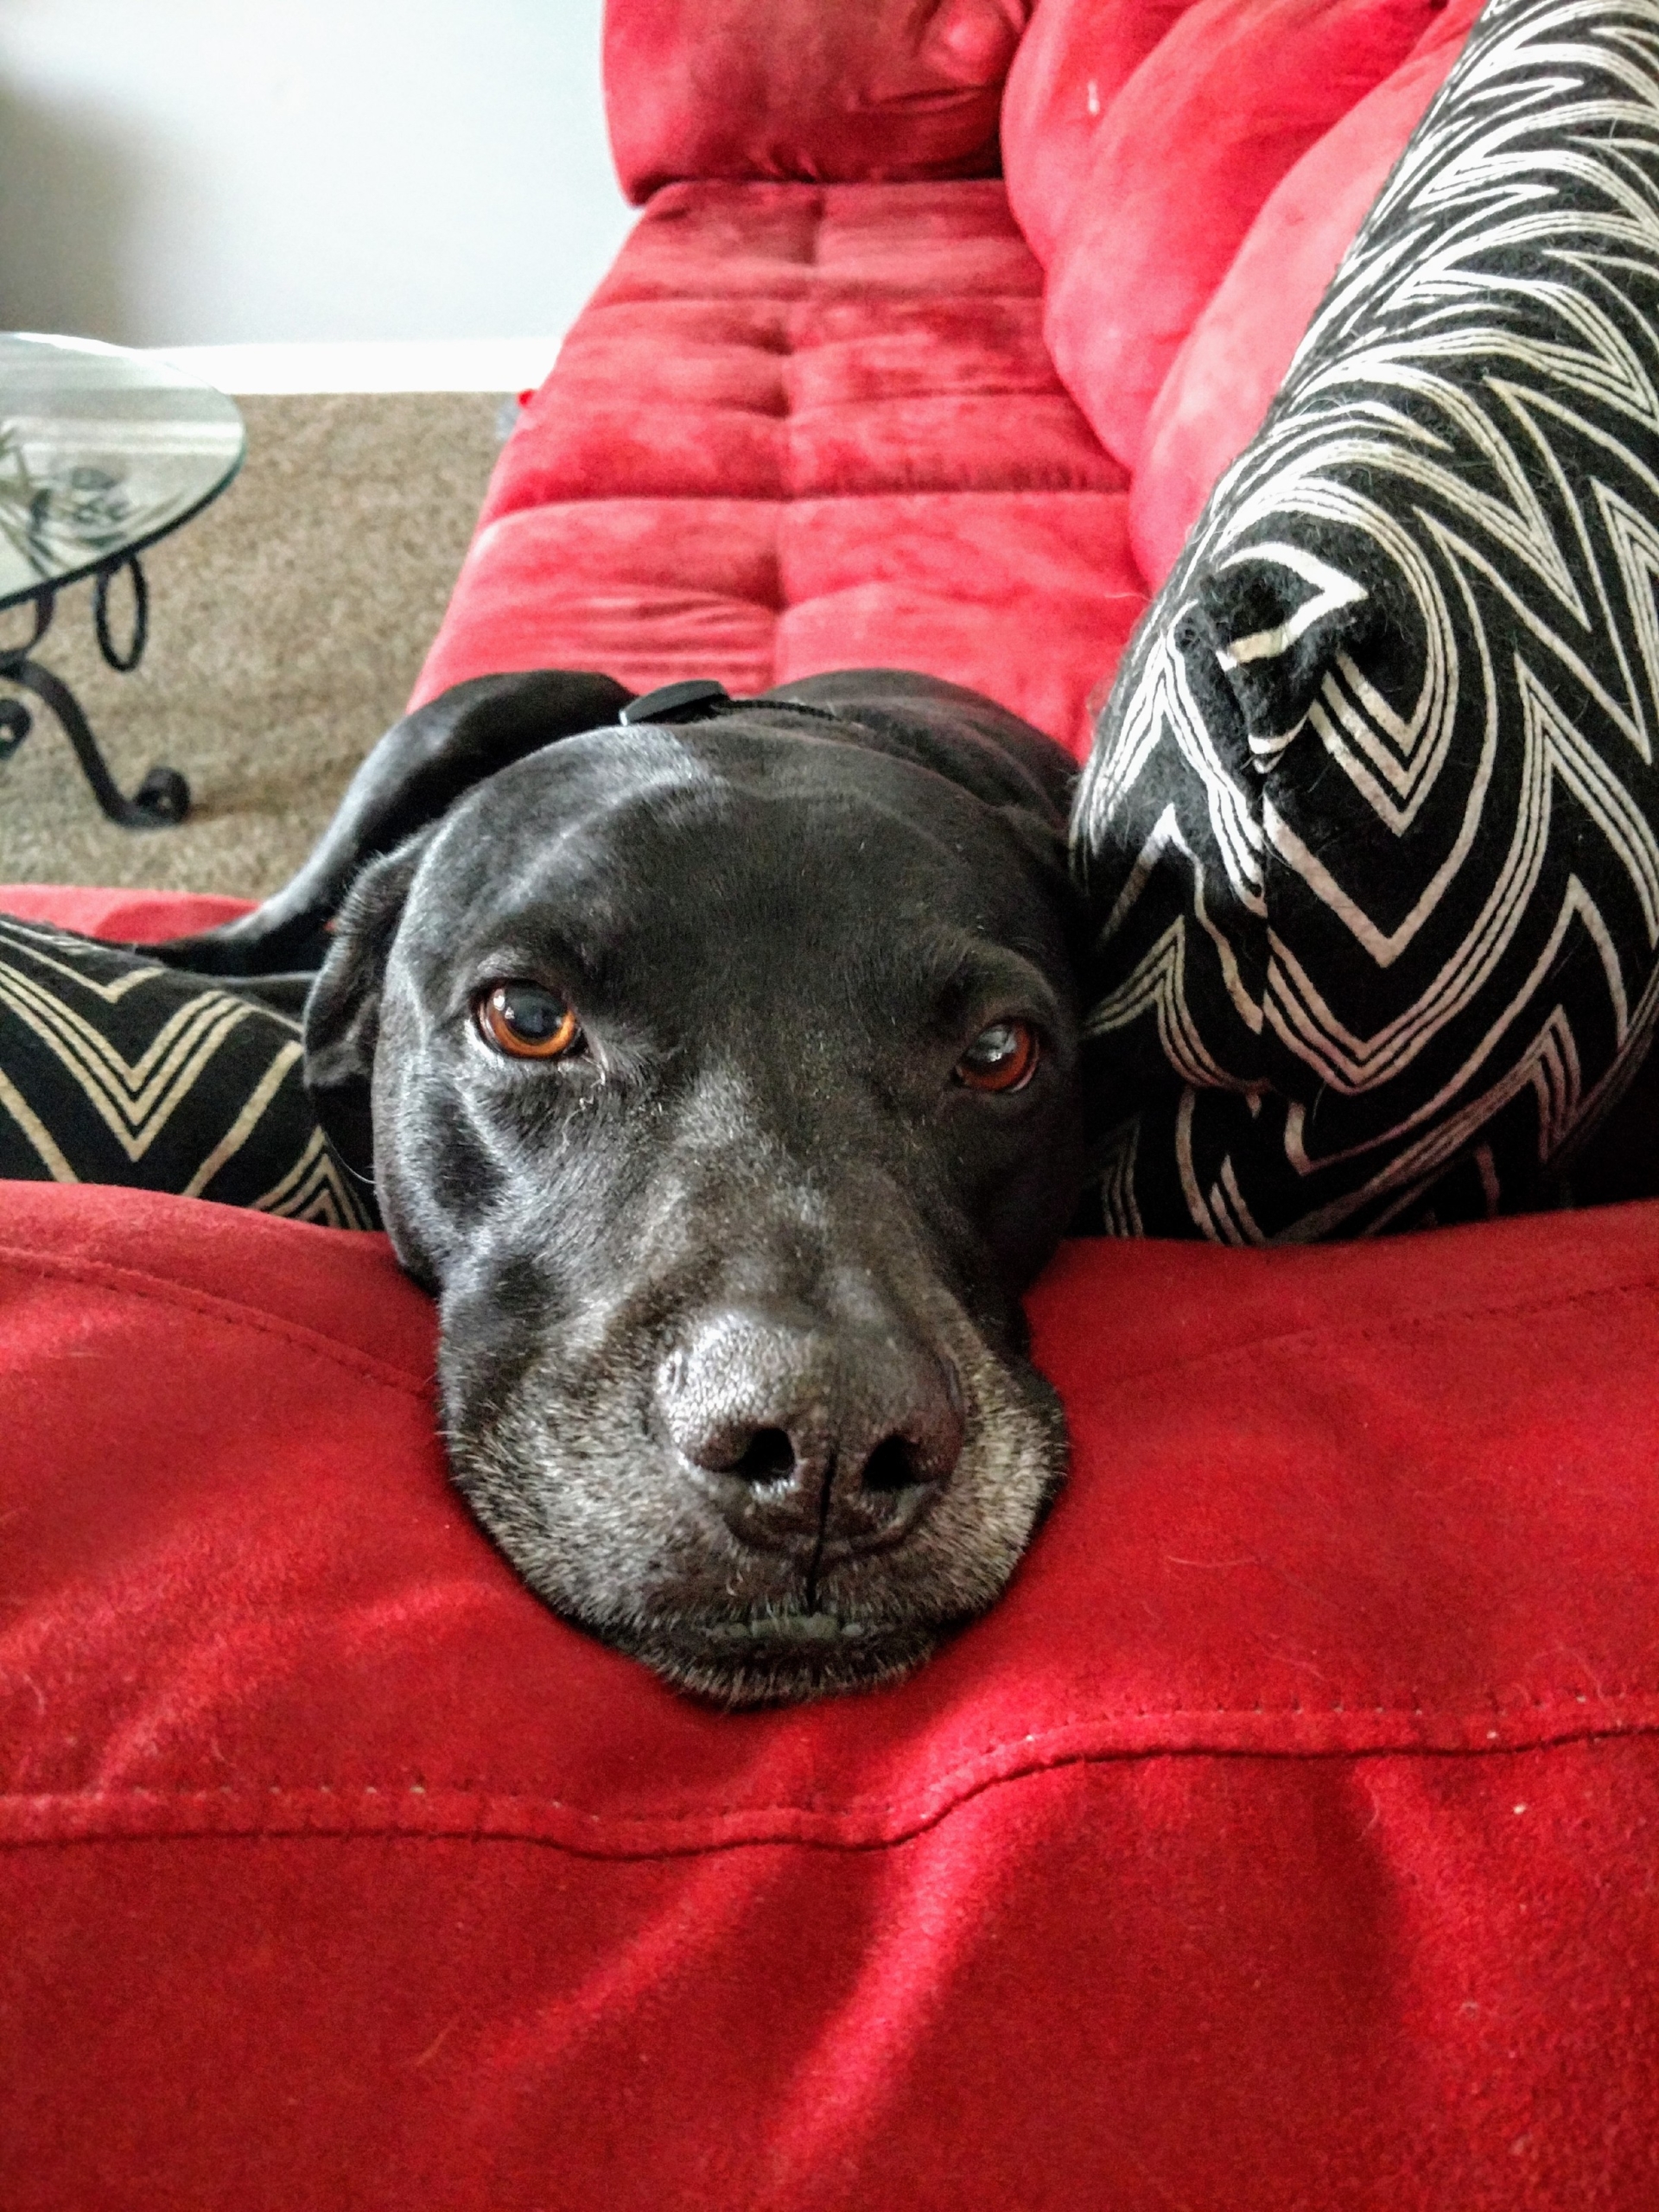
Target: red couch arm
(794,88)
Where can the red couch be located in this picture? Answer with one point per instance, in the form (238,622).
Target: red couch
(1286,1837)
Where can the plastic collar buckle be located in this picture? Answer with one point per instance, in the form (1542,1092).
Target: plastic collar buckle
(691,701)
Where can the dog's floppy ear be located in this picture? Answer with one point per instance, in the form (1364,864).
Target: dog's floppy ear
(342,1015)
(419,769)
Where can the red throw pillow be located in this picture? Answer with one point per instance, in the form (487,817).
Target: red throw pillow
(1073,61)
(1214,398)
(791,88)
(1180,166)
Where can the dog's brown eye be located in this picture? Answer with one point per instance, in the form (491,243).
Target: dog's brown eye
(527,1022)
(1001,1057)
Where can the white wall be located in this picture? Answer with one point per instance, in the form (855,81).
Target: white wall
(206,172)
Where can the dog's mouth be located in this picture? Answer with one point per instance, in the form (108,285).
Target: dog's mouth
(777,1656)
(787,1629)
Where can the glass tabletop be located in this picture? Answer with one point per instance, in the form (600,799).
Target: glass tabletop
(101,452)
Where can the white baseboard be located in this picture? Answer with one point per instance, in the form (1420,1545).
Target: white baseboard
(379,364)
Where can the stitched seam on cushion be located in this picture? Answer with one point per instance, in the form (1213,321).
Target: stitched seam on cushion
(959,1772)
(132,1283)
(915,1822)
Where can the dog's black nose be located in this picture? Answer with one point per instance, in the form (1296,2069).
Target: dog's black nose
(800,1431)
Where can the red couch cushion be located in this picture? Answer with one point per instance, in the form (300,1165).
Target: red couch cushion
(781,391)
(776,342)
(1020,594)
(707,483)
(123,916)
(1178,171)
(791,88)
(1304,1780)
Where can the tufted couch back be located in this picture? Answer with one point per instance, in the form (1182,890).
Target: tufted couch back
(1187,172)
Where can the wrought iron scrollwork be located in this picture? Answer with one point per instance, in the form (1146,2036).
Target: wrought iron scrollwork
(162,800)
(43,605)
(124,664)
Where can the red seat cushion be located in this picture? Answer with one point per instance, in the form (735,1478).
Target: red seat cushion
(1024,595)
(1319,1726)
(775,341)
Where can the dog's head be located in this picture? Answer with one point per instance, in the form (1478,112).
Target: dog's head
(722,1083)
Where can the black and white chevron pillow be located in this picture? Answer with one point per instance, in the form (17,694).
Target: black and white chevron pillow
(1369,828)
(114,1070)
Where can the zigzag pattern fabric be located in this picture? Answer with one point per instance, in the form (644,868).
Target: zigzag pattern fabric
(1368,832)
(115,1069)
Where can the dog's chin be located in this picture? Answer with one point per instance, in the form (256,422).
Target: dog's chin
(778,1658)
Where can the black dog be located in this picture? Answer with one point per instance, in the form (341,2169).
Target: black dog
(716,1068)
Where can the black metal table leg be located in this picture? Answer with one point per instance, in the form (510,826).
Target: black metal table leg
(162,800)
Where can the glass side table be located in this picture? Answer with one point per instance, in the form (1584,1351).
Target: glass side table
(102,453)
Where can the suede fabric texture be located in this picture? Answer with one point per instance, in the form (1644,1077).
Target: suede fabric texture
(723,88)
(1073,63)
(801,429)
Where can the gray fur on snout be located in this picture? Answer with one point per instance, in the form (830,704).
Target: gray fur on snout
(563,1479)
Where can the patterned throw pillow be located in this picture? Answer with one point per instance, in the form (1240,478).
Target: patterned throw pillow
(113,1070)
(1368,829)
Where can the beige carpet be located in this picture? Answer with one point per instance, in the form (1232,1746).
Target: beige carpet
(287,623)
